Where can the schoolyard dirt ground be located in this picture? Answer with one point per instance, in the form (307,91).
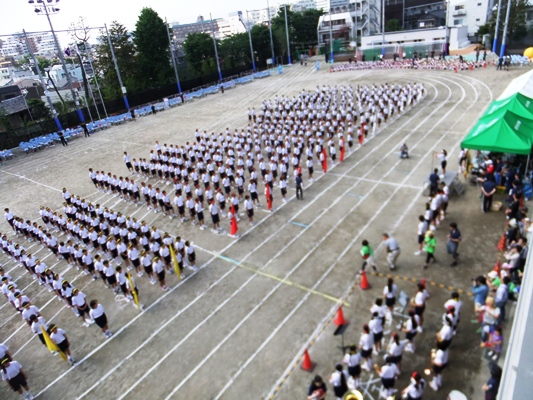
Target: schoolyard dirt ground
(237,328)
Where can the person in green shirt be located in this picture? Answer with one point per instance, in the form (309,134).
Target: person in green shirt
(368,257)
(430,244)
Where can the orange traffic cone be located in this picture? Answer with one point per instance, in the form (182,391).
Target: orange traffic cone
(234,227)
(501,244)
(364,282)
(307,364)
(339,319)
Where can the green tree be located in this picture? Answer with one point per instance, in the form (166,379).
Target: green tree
(125,54)
(302,29)
(27,62)
(61,108)
(235,50)
(517,28)
(305,28)
(393,25)
(153,54)
(261,42)
(279,29)
(198,47)
(38,109)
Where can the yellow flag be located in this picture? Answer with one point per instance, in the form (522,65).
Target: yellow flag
(134,292)
(177,269)
(51,345)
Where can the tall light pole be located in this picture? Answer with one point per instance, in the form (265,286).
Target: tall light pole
(24,93)
(330,38)
(383,28)
(216,49)
(41,78)
(271,37)
(122,87)
(247,27)
(495,41)
(505,27)
(89,87)
(355,35)
(403,14)
(446,50)
(48,7)
(173,59)
(88,52)
(287,32)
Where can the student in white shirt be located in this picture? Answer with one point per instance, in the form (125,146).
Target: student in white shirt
(445,335)
(457,305)
(388,374)
(419,303)
(366,343)
(376,326)
(4,352)
(395,349)
(410,328)
(146,261)
(59,337)
(439,360)
(421,232)
(353,360)
(389,294)
(191,255)
(15,377)
(78,301)
(338,380)
(213,209)
(97,313)
(159,269)
(29,310)
(416,387)
(121,279)
(249,205)
(35,324)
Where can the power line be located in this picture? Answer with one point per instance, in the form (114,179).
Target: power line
(64,30)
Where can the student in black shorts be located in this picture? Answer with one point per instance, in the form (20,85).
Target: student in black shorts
(59,337)
(97,313)
(15,377)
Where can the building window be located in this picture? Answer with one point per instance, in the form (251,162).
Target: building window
(461,7)
(529,15)
(477,19)
(458,22)
(479,4)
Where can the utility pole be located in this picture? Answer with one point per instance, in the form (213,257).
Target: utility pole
(46,93)
(122,88)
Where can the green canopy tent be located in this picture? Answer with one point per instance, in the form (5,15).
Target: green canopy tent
(517,104)
(501,131)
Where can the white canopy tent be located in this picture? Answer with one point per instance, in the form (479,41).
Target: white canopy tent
(523,84)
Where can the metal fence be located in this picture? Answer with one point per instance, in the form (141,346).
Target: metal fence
(14,137)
